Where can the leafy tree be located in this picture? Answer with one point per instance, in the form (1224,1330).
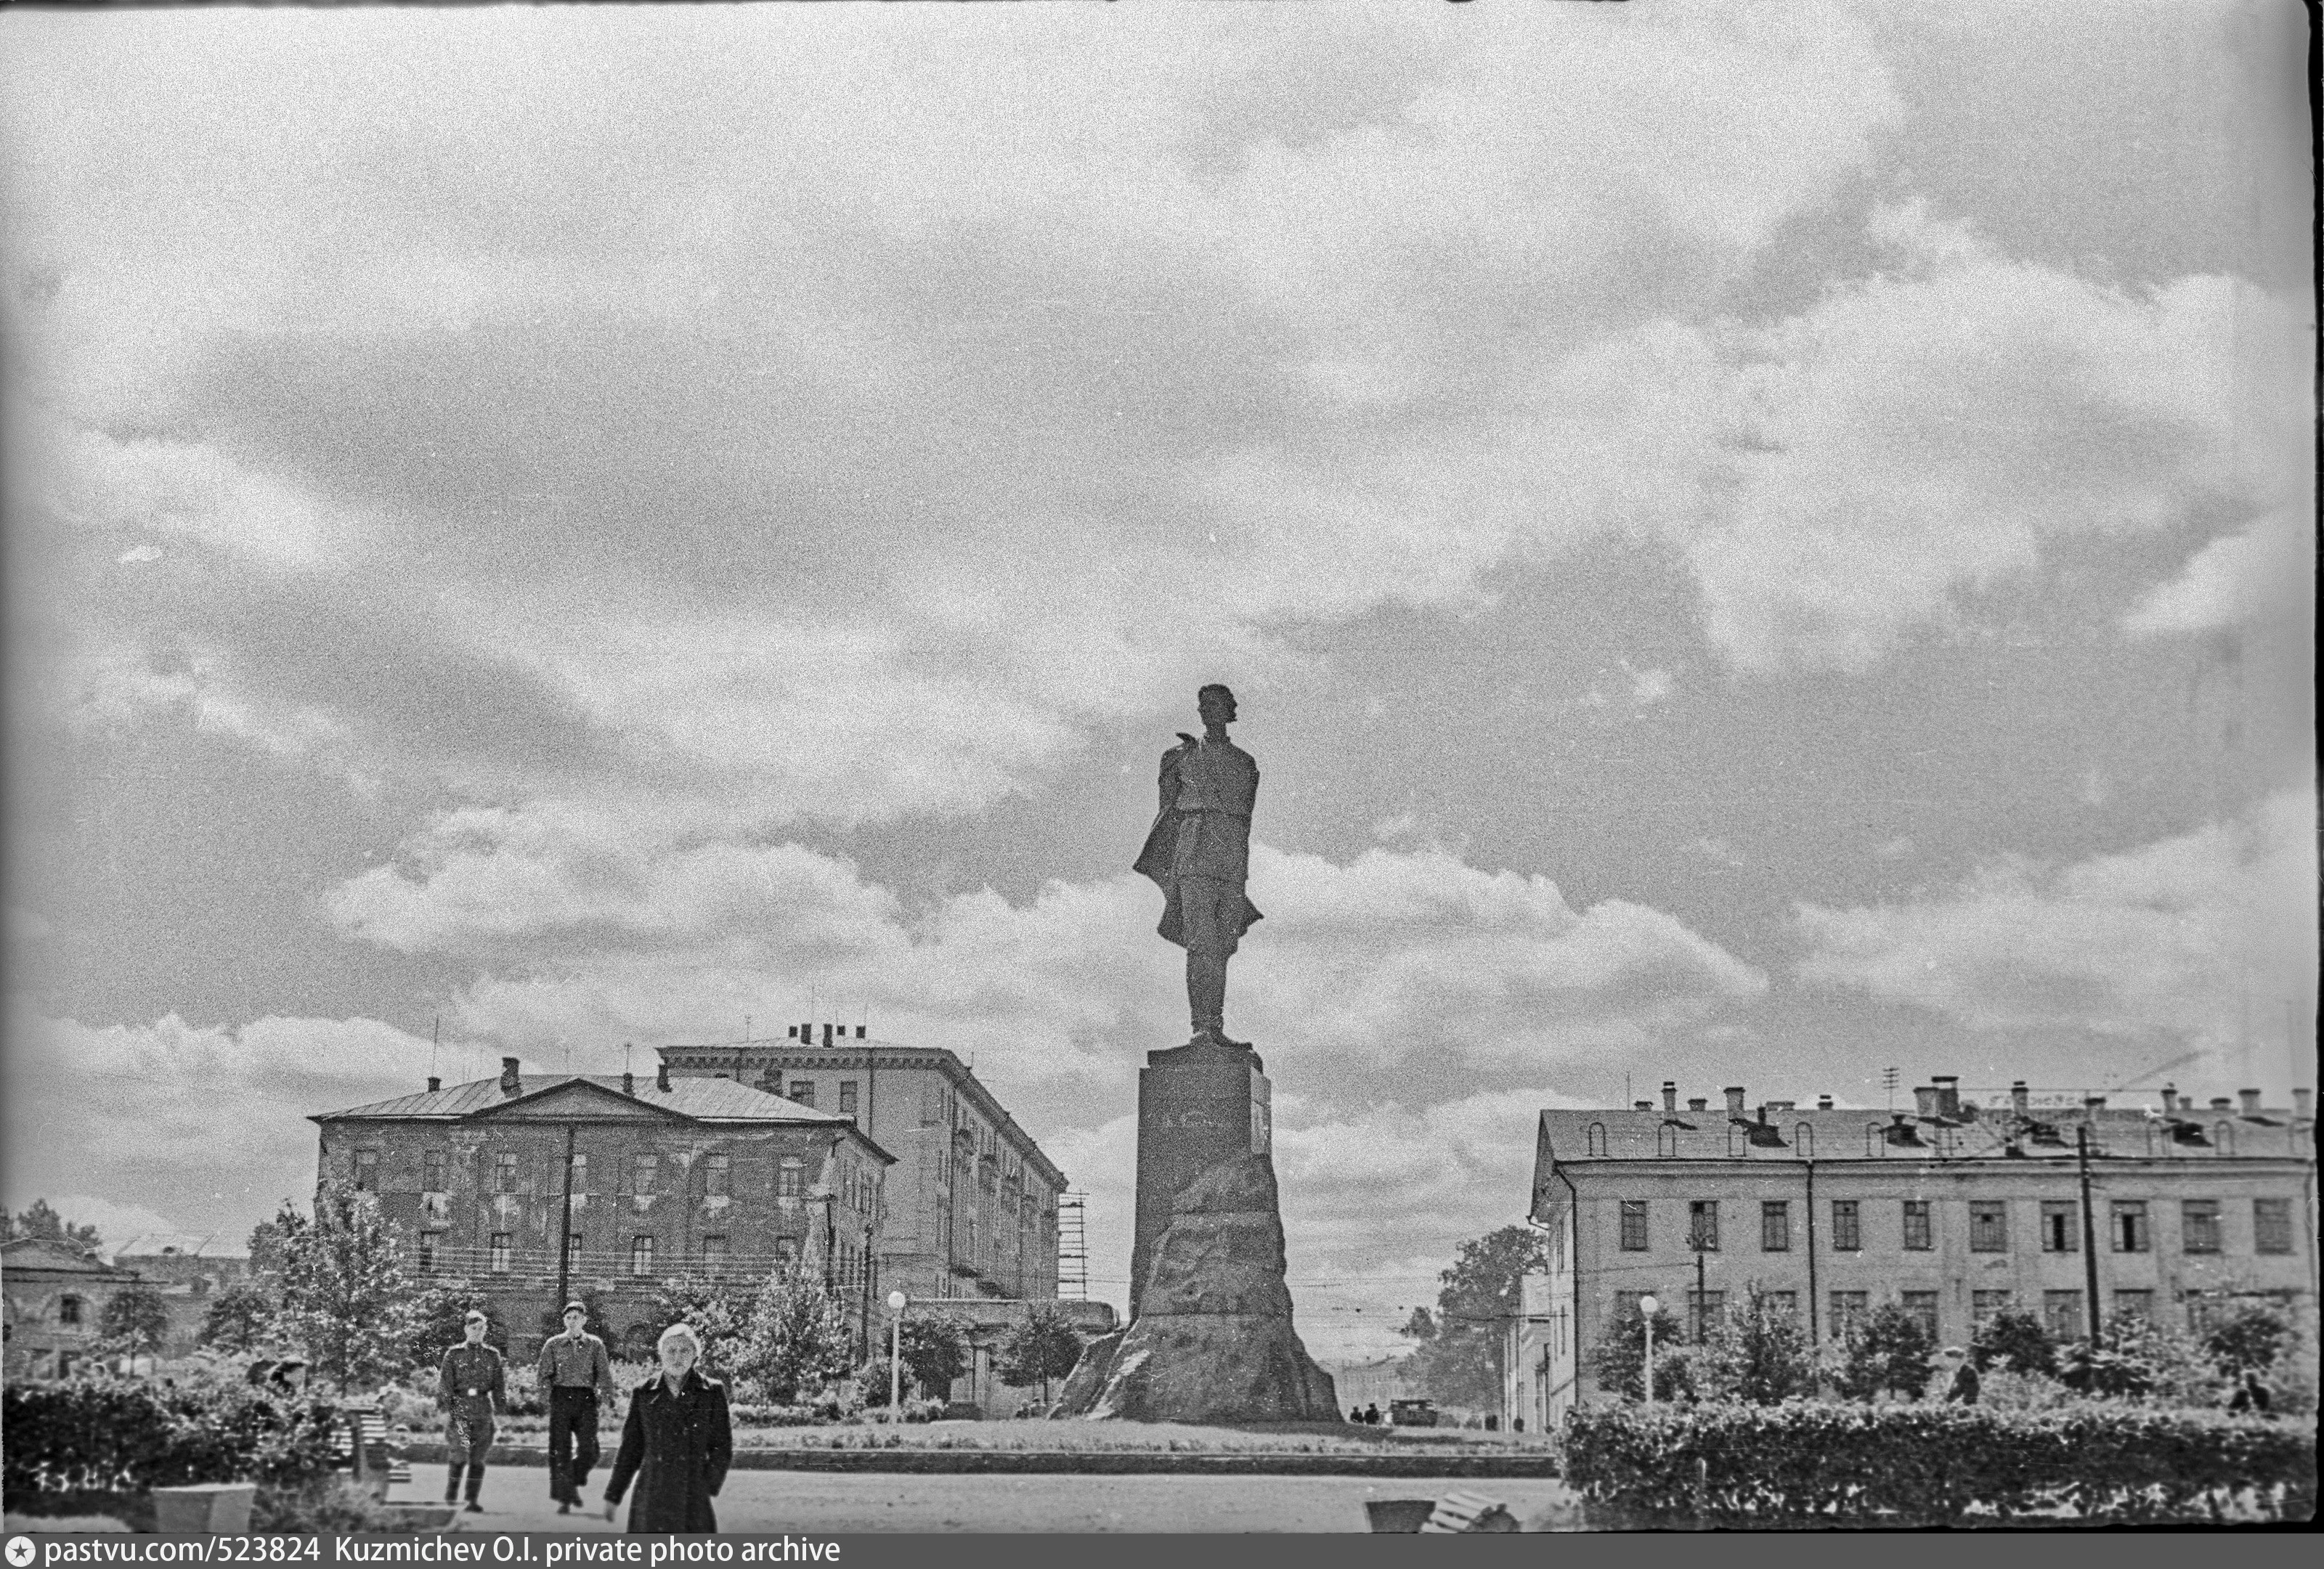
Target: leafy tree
(1046,1346)
(1461,1365)
(2017,1341)
(2136,1358)
(440,1321)
(267,1237)
(134,1321)
(43,1223)
(798,1339)
(1420,1326)
(1887,1351)
(241,1319)
(719,1314)
(2248,1341)
(1621,1357)
(1758,1354)
(344,1293)
(935,1353)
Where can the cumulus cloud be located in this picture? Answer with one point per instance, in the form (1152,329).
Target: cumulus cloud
(2237,578)
(190,1128)
(1933,427)
(2180,936)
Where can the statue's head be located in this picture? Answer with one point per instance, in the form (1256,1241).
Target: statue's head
(1216,705)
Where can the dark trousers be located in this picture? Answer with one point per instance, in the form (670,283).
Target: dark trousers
(467,1440)
(572,1441)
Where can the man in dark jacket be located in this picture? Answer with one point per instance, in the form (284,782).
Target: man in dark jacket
(1966,1385)
(677,1444)
(575,1375)
(471,1386)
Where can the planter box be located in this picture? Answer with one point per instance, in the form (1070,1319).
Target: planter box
(219,1508)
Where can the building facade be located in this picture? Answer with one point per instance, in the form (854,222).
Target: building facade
(1954,1211)
(971,1200)
(52,1298)
(642,1179)
(187,1270)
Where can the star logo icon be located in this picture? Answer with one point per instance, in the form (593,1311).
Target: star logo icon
(20,1551)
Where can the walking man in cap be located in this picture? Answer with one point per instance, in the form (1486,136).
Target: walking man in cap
(471,1386)
(575,1373)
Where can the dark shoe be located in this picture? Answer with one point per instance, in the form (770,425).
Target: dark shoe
(565,1508)
(474,1508)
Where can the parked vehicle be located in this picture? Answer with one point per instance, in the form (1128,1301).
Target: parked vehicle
(1412,1413)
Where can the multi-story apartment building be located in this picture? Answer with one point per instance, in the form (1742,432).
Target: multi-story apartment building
(642,1179)
(971,1200)
(1954,1211)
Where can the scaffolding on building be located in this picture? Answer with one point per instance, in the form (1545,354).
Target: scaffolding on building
(1073,1247)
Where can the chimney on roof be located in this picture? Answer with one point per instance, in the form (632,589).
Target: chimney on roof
(1734,1100)
(2221,1103)
(1948,1094)
(1670,1094)
(1642,1106)
(1824,1103)
(864,1032)
(2250,1097)
(2304,1101)
(629,1082)
(661,1078)
(1768,1108)
(1925,1099)
(2171,1098)
(434,1084)
(2021,1099)
(510,1082)
(1698,1104)
(790,1032)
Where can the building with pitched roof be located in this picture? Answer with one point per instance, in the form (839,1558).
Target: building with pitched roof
(52,1297)
(189,1270)
(542,1187)
(1967,1205)
(971,1202)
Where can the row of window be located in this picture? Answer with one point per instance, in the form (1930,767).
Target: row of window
(2061,1311)
(645,1175)
(802,1090)
(2129,1225)
(499,1253)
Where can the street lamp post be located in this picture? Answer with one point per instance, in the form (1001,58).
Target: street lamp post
(1647,1308)
(895,1300)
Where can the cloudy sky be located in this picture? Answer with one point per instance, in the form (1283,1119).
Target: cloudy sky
(1757,544)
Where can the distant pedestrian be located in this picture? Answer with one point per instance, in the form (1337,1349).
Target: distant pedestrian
(471,1386)
(1371,1415)
(1355,1413)
(1966,1386)
(2251,1395)
(677,1444)
(575,1374)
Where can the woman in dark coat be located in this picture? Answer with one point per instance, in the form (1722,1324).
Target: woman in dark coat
(676,1443)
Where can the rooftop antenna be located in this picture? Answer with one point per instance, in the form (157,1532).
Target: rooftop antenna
(746,1029)
(435,1044)
(625,1059)
(1888,1083)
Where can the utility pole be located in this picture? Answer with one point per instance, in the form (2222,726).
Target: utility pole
(2090,1229)
(564,1228)
(1701,1298)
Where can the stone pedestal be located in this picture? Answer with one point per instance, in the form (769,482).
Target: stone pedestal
(1209,1337)
(1198,1107)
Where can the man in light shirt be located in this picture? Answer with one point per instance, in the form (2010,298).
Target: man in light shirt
(575,1374)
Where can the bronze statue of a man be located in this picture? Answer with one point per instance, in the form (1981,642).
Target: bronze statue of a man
(1200,853)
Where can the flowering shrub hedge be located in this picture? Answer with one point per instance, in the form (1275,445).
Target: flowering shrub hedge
(94,1434)
(1806,1462)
